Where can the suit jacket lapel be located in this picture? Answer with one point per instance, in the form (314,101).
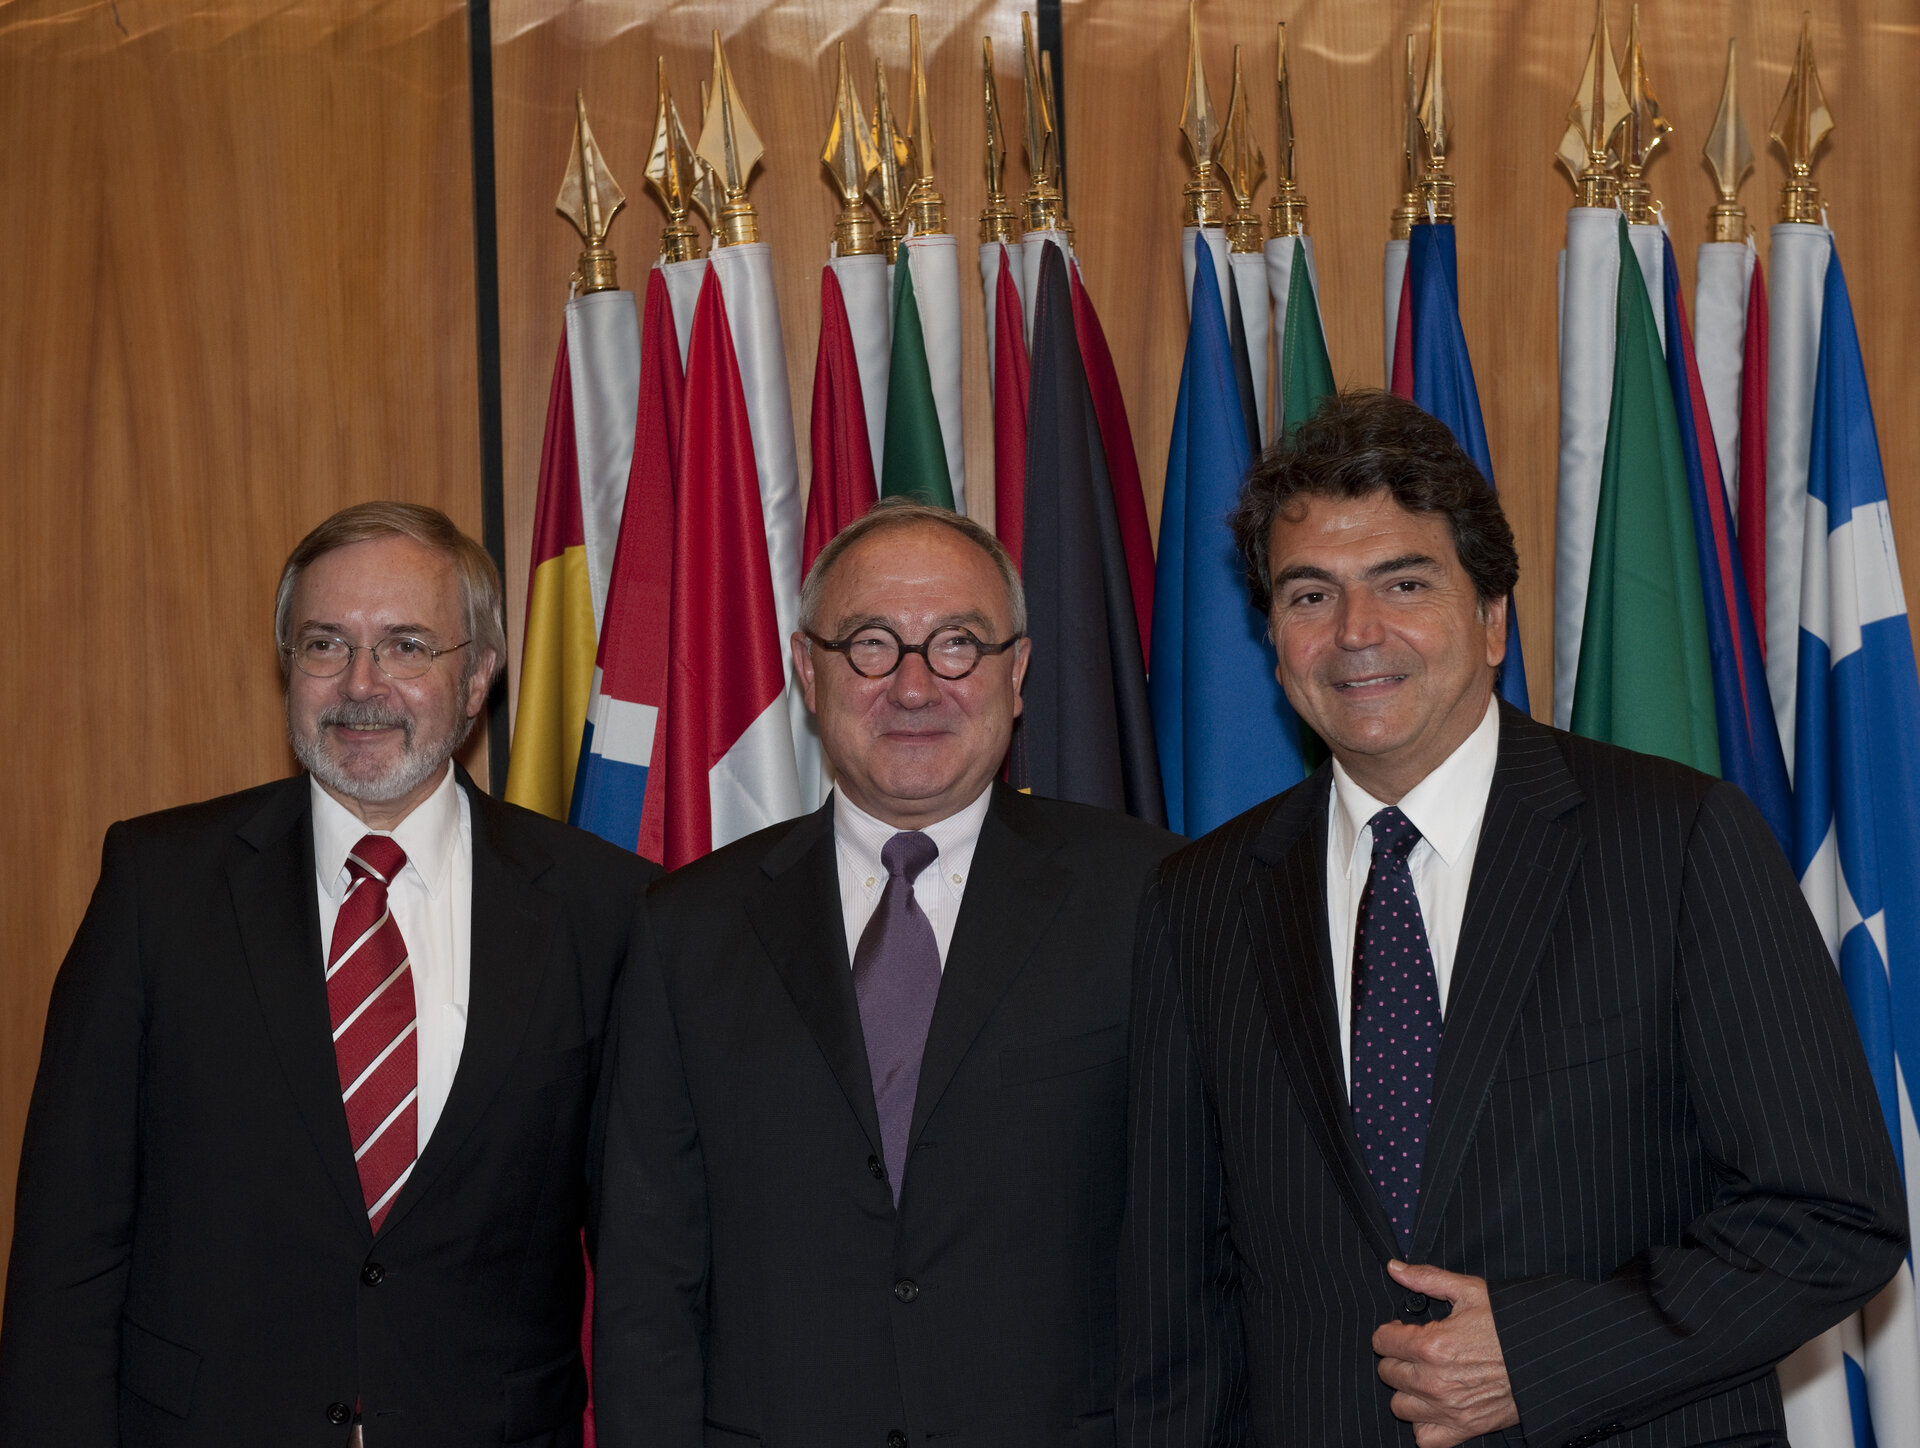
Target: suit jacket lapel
(1286,905)
(515,930)
(276,904)
(1524,860)
(1013,892)
(796,913)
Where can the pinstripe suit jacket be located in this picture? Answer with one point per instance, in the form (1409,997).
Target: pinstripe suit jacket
(1653,1130)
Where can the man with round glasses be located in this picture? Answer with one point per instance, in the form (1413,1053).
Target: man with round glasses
(307,1156)
(865,1148)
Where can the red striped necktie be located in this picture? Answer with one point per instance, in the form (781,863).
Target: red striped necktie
(370,998)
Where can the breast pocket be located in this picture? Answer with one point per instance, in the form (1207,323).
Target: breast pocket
(540,1070)
(1063,1056)
(1562,1048)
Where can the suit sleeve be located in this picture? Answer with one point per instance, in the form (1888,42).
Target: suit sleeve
(79,1176)
(650,1285)
(1808,1220)
(1182,1372)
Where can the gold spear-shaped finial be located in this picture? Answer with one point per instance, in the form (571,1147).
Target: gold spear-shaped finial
(1598,109)
(732,147)
(1044,207)
(849,159)
(1245,167)
(996,220)
(671,171)
(590,198)
(1730,158)
(1436,132)
(1799,126)
(926,208)
(1646,128)
(1201,127)
(1287,213)
(708,198)
(888,186)
(1411,167)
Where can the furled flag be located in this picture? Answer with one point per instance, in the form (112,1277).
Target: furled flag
(729,747)
(843,481)
(1227,736)
(1306,372)
(1750,754)
(1645,679)
(622,741)
(931,265)
(1857,808)
(1086,732)
(1730,343)
(914,462)
(1123,465)
(1011,380)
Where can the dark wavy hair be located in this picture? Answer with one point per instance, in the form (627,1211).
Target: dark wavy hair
(1363,441)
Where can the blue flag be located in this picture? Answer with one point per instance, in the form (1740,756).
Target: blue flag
(1443,385)
(1228,738)
(1750,753)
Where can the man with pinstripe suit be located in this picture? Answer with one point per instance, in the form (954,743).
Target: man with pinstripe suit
(1492,1083)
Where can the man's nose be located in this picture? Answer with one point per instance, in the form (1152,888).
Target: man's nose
(913,684)
(362,677)
(1359,620)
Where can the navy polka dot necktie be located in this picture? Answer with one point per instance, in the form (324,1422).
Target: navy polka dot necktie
(1396,1024)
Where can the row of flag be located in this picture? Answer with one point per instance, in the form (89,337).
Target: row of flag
(1726,587)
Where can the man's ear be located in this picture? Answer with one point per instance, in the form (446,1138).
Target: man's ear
(1022,656)
(480,684)
(803,667)
(1493,613)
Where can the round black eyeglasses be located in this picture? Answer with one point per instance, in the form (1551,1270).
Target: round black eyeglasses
(875,651)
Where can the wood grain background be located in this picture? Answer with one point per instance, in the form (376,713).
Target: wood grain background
(236,292)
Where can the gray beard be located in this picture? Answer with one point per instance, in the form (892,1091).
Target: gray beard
(418,762)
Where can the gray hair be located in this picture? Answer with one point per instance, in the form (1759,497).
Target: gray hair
(364,522)
(895,513)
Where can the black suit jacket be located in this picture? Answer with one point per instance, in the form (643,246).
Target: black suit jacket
(754,1280)
(1653,1130)
(192,1262)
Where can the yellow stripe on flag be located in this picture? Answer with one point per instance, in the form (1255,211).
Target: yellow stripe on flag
(556,680)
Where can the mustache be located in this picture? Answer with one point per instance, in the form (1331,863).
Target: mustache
(365,714)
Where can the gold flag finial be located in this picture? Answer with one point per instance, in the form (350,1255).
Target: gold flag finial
(1245,167)
(997,218)
(672,169)
(731,146)
(886,187)
(1599,109)
(1436,132)
(1045,210)
(1287,212)
(1201,126)
(1799,126)
(1646,129)
(590,198)
(925,205)
(849,159)
(1730,157)
(1409,210)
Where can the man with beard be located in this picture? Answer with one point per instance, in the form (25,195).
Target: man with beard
(307,1156)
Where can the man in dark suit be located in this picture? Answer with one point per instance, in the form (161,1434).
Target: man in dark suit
(307,1156)
(865,1154)
(1491,1081)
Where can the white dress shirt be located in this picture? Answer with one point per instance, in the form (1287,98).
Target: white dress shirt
(858,839)
(1447,807)
(432,901)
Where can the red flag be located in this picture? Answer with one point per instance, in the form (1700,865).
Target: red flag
(843,482)
(1123,468)
(726,661)
(1753,453)
(1401,383)
(1010,380)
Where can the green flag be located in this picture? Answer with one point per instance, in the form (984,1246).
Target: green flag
(1645,678)
(1306,376)
(914,460)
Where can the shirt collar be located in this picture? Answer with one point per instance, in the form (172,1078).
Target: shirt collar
(429,835)
(860,838)
(1446,807)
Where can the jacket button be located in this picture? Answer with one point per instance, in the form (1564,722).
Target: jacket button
(875,1169)
(906,1289)
(373,1274)
(896,1439)
(1416,1302)
(338,1412)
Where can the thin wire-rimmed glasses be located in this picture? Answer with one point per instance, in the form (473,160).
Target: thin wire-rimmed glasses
(875,651)
(326,656)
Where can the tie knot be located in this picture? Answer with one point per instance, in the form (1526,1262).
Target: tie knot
(376,856)
(908,853)
(1393,832)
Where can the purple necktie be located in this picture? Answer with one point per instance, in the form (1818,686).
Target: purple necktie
(1396,1024)
(896,978)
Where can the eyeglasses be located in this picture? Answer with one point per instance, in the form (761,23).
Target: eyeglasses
(876,651)
(325,656)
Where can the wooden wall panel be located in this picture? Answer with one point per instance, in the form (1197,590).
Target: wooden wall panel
(236,293)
